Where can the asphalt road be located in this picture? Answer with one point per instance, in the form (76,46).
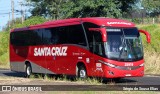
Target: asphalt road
(146,80)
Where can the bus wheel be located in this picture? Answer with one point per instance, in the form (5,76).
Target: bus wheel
(28,70)
(82,72)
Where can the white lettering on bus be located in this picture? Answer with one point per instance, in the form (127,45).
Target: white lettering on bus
(48,51)
(125,23)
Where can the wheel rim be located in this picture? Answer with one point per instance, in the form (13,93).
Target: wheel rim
(82,73)
(28,71)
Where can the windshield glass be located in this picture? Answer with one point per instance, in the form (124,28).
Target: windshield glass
(123,44)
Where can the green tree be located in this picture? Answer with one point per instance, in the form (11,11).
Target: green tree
(152,6)
(46,8)
(80,8)
(91,8)
(126,5)
(34,20)
(28,22)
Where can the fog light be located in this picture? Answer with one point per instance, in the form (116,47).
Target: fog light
(110,72)
(142,72)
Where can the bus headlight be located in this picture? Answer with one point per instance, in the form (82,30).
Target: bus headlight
(108,64)
(141,65)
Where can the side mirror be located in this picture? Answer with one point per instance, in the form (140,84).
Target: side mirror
(148,37)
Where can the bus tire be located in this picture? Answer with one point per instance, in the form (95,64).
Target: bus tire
(82,73)
(28,71)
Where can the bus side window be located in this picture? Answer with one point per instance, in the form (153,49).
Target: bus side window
(61,35)
(34,37)
(19,38)
(54,38)
(76,35)
(50,36)
(47,36)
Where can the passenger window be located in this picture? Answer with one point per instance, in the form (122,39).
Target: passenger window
(62,35)
(26,38)
(34,37)
(76,35)
(47,35)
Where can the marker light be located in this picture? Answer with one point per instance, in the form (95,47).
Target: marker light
(142,64)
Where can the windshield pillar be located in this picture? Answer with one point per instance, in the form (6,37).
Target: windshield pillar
(104,34)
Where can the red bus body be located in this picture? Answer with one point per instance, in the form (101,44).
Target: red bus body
(63,58)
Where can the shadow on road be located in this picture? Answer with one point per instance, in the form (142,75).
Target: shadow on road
(119,81)
(14,74)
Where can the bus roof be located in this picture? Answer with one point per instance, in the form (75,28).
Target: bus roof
(101,21)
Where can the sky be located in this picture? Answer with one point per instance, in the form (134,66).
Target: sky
(5,8)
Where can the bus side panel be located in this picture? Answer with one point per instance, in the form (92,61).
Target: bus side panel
(66,64)
(50,60)
(38,60)
(93,67)
(18,56)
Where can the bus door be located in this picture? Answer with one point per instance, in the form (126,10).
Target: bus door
(97,50)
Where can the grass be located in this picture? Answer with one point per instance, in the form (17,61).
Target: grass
(152,50)
(4,61)
(152,63)
(4,50)
(89,80)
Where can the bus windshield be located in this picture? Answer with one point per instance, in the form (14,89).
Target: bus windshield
(123,44)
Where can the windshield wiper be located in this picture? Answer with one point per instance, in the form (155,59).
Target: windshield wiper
(122,48)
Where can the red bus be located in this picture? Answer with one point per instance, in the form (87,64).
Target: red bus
(97,47)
